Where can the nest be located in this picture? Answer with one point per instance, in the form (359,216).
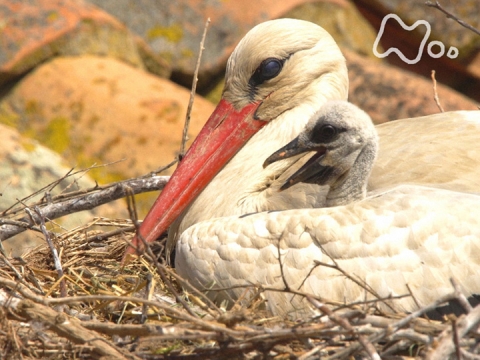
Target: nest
(97,308)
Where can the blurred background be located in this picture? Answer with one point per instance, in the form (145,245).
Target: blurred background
(97,82)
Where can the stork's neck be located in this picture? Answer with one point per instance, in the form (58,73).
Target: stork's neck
(243,185)
(352,185)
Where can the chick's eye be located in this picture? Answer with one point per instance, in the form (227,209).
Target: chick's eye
(324,133)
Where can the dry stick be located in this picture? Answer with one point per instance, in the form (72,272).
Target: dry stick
(22,290)
(456,341)
(56,259)
(169,310)
(19,276)
(194,290)
(51,186)
(61,324)
(435,94)
(362,339)
(148,291)
(437,5)
(469,356)
(359,282)
(462,299)
(309,354)
(285,283)
(397,325)
(85,202)
(106,235)
(160,269)
(446,342)
(161,169)
(192,93)
(159,331)
(335,266)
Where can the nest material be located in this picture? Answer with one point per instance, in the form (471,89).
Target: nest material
(99,309)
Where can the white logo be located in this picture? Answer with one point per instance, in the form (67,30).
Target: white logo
(452,51)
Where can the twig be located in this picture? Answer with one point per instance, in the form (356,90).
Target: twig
(446,342)
(309,354)
(397,325)
(172,332)
(60,323)
(437,5)
(19,276)
(56,258)
(85,202)
(456,341)
(435,94)
(106,235)
(170,311)
(359,282)
(153,258)
(185,284)
(148,290)
(48,188)
(285,283)
(362,339)
(192,92)
(160,169)
(461,298)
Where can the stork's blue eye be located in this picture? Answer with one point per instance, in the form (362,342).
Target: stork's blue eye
(268,69)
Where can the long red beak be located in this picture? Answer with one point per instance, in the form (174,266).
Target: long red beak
(225,132)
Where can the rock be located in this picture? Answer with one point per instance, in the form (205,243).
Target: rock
(461,72)
(386,92)
(34,31)
(27,168)
(174,29)
(342,20)
(95,110)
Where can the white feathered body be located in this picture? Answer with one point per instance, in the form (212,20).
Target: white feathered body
(408,239)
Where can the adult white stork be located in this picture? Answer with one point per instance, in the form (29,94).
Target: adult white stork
(278,77)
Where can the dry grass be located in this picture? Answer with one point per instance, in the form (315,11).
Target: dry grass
(132,312)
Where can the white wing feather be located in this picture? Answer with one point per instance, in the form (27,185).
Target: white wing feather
(410,235)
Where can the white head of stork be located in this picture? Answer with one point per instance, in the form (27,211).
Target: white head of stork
(280,74)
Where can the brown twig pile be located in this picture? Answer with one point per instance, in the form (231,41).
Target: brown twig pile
(106,310)
(72,298)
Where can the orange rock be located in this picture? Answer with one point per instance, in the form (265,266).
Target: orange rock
(34,31)
(173,29)
(387,92)
(95,110)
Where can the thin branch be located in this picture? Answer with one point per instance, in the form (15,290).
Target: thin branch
(461,298)
(437,5)
(61,324)
(446,343)
(153,258)
(362,339)
(285,283)
(84,202)
(48,188)
(192,93)
(56,258)
(435,94)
